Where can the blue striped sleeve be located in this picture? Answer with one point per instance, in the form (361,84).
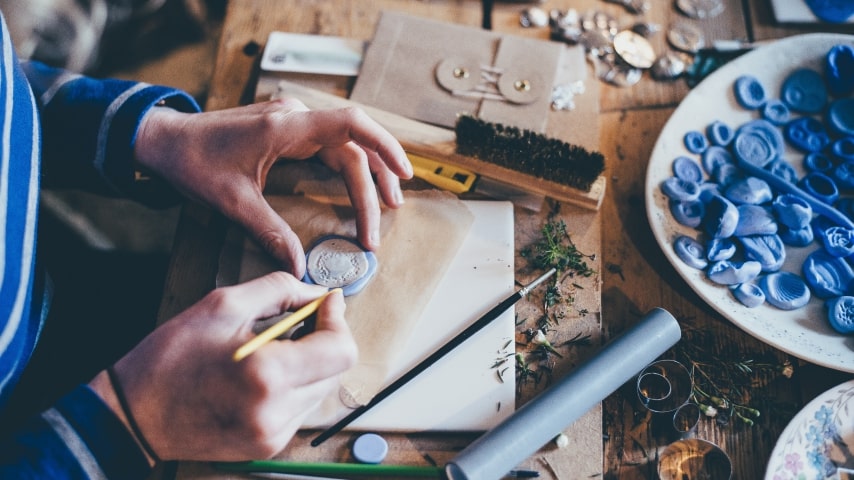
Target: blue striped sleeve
(89,128)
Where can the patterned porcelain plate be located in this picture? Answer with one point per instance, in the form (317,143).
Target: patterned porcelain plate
(805,332)
(818,440)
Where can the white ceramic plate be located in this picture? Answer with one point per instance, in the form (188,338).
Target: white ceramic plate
(818,440)
(804,333)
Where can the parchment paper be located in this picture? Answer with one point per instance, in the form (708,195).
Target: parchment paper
(418,241)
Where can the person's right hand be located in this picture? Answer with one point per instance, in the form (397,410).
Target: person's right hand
(192,401)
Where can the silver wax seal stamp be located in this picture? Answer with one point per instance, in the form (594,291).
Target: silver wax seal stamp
(339,262)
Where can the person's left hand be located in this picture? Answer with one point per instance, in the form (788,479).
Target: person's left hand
(222,158)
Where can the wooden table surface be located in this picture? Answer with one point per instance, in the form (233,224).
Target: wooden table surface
(633,276)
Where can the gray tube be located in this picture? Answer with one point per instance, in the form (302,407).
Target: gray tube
(499,450)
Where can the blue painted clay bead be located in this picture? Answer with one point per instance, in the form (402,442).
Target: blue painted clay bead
(754,149)
(726,272)
(838,241)
(754,220)
(806,134)
(721,217)
(800,237)
(727,173)
(677,189)
(792,211)
(776,112)
(817,162)
(839,69)
(370,448)
(843,174)
(803,91)
(714,156)
(828,276)
(768,250)
(768,130)
(840,116)
(687,169)
(784,170)
(750,190)
(843,149)
(688,213)
(820,186)
(690,251)
(840,314)
(718,249)
(696,142)
(749,92)
(749,294)
(785,290)
(719,133)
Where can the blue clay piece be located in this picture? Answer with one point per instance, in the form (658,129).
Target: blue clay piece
(754,220)
(749,294)
(831,11)
(768,130)
(689,213)
(687,169)
(750,190)
(718,249)
(792,211)
(843,175)
(753,148)
(840,314)
(721,217)
(820,186)
(681,190)
(828,276)
(803,91)
(727,173)
(370,448)
(696,142)
(719,133)
(749,92)
(776,112)
(768,250)
(800,237)
(707,189)
(817,162)
(690,251)
(726,272)
(785,290)
(845,206)
(781,168)
(335,261)
(843,149)
(806,134)
(837,241)
(840,116)
(715,156)
(839,69)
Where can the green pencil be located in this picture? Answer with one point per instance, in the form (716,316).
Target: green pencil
(353,469)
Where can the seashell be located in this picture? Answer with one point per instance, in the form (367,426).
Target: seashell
(785,290)
(840,314)
(720,249)
(754,220)
(726,272)
(792,211)
(828,276)
(768,250)
(721,217)
(749,294)
(750,190)
(690,251)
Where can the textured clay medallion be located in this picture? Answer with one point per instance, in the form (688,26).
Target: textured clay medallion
(339,262)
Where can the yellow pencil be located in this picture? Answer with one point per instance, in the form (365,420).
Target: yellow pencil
(283,326)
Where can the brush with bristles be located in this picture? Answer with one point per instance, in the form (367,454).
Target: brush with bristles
(522,158)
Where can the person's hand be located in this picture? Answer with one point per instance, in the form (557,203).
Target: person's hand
(222,159)
(192,401)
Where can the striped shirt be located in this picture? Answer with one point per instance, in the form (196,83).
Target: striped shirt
(68,130)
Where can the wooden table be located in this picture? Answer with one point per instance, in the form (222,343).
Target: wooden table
(614,441)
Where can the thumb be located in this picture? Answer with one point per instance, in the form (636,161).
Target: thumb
(274,235)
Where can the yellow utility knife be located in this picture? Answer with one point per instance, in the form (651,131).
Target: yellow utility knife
(446,177)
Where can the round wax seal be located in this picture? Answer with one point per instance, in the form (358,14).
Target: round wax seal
(370,448)
(339,262)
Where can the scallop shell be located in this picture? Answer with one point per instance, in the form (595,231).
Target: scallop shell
(785,290)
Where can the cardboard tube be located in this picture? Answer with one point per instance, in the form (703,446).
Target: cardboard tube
(499,450)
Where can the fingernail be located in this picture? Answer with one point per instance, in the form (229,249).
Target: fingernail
(398,196)
(375,237)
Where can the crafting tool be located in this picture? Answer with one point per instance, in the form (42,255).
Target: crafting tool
(541,419)
(346,469)
(281,327)
(584,185)
(477,325)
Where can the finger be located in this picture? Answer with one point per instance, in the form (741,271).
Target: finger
(353,166)
(272,233)
(388,182)
(270,295)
